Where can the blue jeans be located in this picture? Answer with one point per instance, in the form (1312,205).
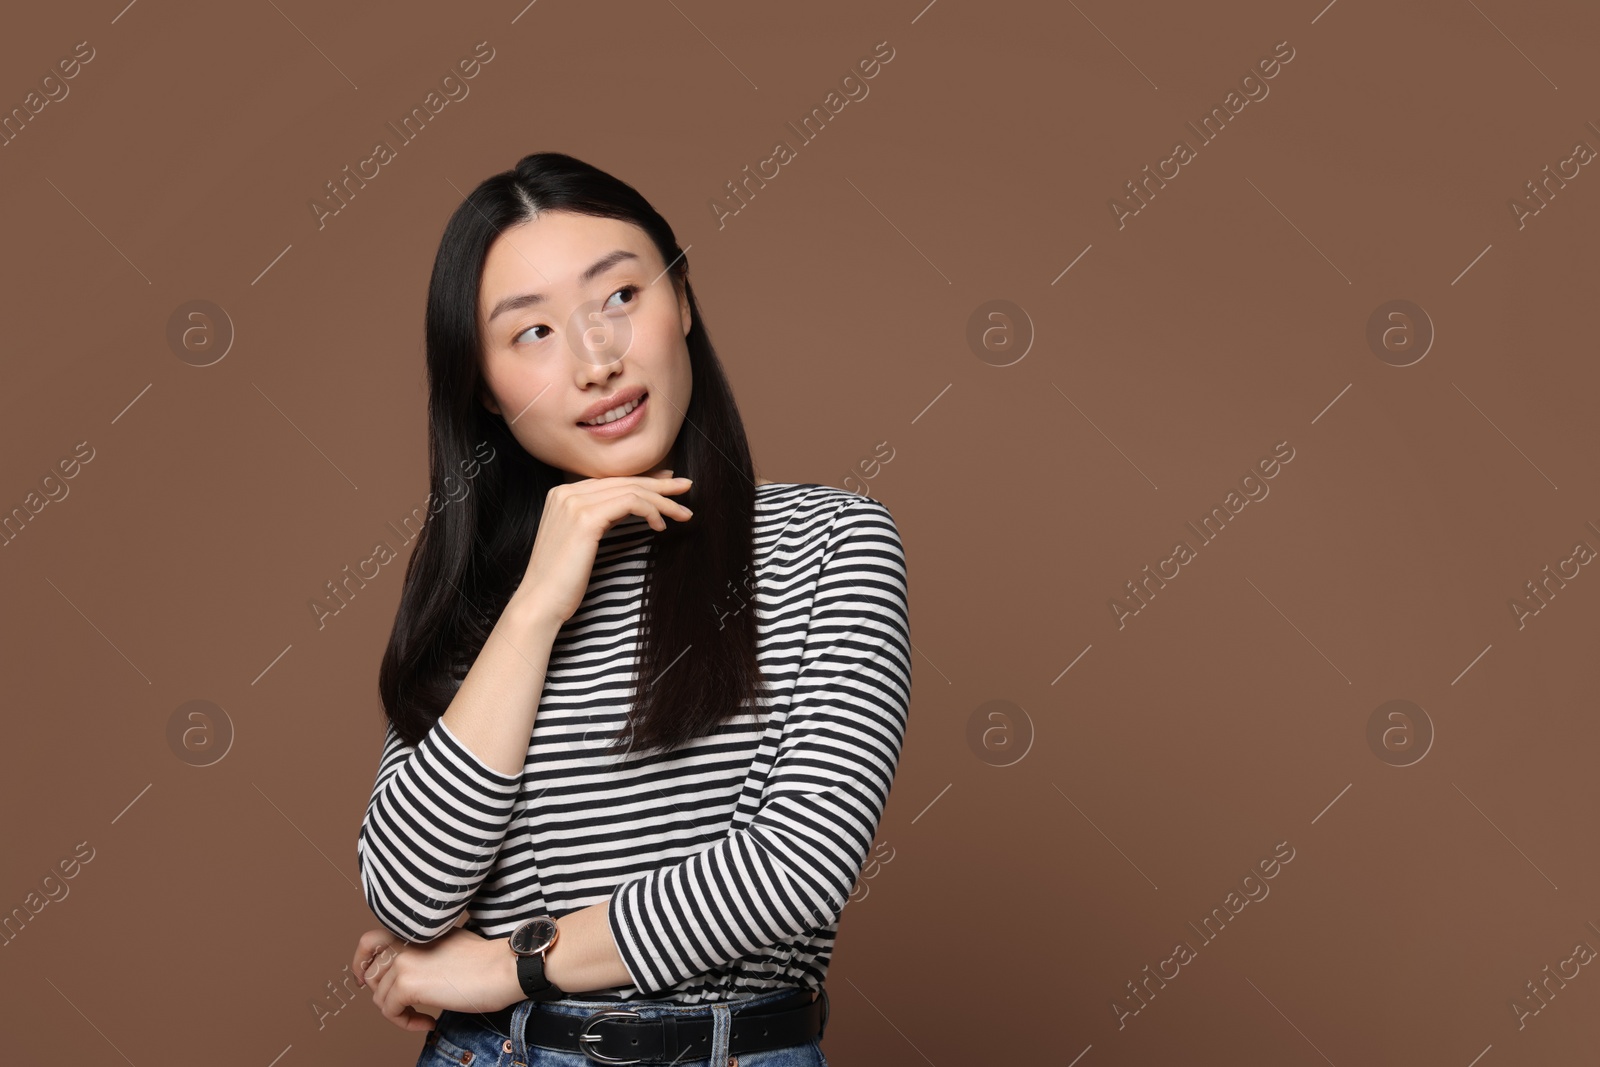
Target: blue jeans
(464,1038)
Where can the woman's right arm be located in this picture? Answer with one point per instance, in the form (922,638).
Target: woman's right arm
(493,712)
(439,811)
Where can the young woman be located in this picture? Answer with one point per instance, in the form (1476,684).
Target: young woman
(645,757)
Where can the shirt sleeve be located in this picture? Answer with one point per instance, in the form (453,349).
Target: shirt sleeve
(792,868)
(434,825)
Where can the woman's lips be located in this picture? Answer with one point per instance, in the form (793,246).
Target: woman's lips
(618,427)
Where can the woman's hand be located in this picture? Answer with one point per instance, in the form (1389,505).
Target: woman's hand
(576,515)
(461,971)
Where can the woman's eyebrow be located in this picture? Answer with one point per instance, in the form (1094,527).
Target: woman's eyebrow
(601,265)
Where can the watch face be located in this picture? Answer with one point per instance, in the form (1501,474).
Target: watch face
(533,936)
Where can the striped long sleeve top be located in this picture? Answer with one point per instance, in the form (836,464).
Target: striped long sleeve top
(727,862)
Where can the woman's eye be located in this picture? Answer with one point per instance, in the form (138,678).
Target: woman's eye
(631,290)
(633,298)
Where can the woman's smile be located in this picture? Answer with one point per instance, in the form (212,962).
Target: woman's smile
(619,426)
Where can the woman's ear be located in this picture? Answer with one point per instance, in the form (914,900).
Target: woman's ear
(683,304)
(488,401)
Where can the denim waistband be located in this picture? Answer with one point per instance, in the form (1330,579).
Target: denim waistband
(504,1031)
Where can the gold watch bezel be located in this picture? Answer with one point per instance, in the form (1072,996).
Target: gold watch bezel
(542,949)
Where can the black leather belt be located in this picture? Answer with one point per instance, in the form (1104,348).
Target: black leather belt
(618,1036)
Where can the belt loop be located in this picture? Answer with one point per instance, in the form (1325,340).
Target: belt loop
(519,1031)
(823,1027)
(721,1027)
(669,1036)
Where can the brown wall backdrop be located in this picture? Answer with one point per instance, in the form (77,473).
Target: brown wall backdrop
(1354,725)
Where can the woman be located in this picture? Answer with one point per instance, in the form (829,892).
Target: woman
(646,760)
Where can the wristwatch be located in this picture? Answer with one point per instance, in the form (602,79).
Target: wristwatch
(529,942)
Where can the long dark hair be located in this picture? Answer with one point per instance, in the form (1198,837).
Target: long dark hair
(473,552)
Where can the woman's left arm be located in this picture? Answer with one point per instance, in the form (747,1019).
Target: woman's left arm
(585,957)
(465,971)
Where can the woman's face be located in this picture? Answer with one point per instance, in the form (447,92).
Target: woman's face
(561,337)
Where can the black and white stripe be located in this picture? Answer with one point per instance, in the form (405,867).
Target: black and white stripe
(726,862)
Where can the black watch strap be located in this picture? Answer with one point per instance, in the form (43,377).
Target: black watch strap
(530,975)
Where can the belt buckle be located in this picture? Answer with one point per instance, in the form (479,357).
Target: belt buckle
(586,1039)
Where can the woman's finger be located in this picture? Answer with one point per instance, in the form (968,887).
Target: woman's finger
(368,947)
(656,481)
(390,995)
(651,506)
(677,507)
(643,496)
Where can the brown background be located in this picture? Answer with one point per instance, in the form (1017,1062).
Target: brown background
(1230,314)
